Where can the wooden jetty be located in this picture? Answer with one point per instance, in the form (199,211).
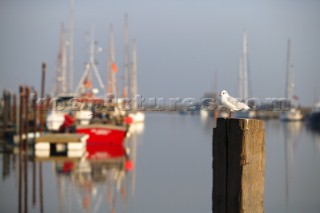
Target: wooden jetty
(60,145)
(238,166)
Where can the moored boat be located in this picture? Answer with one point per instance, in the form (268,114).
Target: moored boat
(103,133)
(294,114)
(314,117)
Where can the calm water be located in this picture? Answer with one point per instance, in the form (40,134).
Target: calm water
(172,173)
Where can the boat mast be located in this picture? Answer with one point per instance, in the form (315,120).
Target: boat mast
(71,39)
(90,67)
(240,89)
(126,58)
(61,83)
(134,88)
(245,66)
(289,80)
(112,69)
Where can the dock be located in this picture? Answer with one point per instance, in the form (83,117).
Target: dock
(60,145)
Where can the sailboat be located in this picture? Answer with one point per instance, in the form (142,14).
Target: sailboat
(294,114)
(314,117)
(135,115)
(63,90)
(243,79)
(55,117)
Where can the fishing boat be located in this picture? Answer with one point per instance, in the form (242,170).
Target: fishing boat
(108,126)
(103,133)
(294,113)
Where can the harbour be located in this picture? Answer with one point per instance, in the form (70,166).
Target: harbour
(159,107)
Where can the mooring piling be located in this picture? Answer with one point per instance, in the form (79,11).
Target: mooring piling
(42,96)
(27,92)
(21,92)
(35,111)
(238,166)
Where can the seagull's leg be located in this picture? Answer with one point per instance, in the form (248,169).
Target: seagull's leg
(230,114)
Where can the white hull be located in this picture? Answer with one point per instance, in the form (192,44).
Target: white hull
(54,120)
(137,117)
(83,117)
(291,115)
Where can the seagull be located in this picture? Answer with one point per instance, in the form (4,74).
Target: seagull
(232,103)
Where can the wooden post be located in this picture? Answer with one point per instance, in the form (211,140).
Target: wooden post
(41,187)
(42,96)
(238,166)
(27,92)
(20,182)
(4,113)
(14,110)
(35,113)
(9,111)
(21,116)
(34,168)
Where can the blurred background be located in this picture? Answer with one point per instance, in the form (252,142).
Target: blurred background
(180,44)
(184,49)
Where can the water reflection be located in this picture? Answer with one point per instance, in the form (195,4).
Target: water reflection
(314,130)
(92,181)
(172,171)
(291,131)
(104,178)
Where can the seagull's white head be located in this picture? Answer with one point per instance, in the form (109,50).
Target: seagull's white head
(224,93)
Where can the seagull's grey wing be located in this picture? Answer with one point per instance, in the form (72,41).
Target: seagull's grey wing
(237,103)
(232,100)
(242,106)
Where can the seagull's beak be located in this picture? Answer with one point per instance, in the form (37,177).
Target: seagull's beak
(219,95)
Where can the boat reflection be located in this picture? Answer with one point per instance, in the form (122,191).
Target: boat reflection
(292,131)
(315,132)
(105,176)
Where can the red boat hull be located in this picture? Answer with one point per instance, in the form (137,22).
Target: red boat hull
(103,152)
(103,134)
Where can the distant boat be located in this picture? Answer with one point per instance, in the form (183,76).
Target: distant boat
(314,117)
(294,114)
(136,116)
(244,79)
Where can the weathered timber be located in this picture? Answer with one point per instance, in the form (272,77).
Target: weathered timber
(61,138)
(21,115)
(238,166)
(42,96)
(34,103)
(27,94)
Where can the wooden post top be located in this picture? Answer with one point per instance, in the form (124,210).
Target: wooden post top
(62,137)
(243,123)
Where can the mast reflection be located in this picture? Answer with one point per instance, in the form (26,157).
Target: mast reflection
(291,133)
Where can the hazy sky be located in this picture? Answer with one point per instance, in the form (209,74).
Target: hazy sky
(181,43)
